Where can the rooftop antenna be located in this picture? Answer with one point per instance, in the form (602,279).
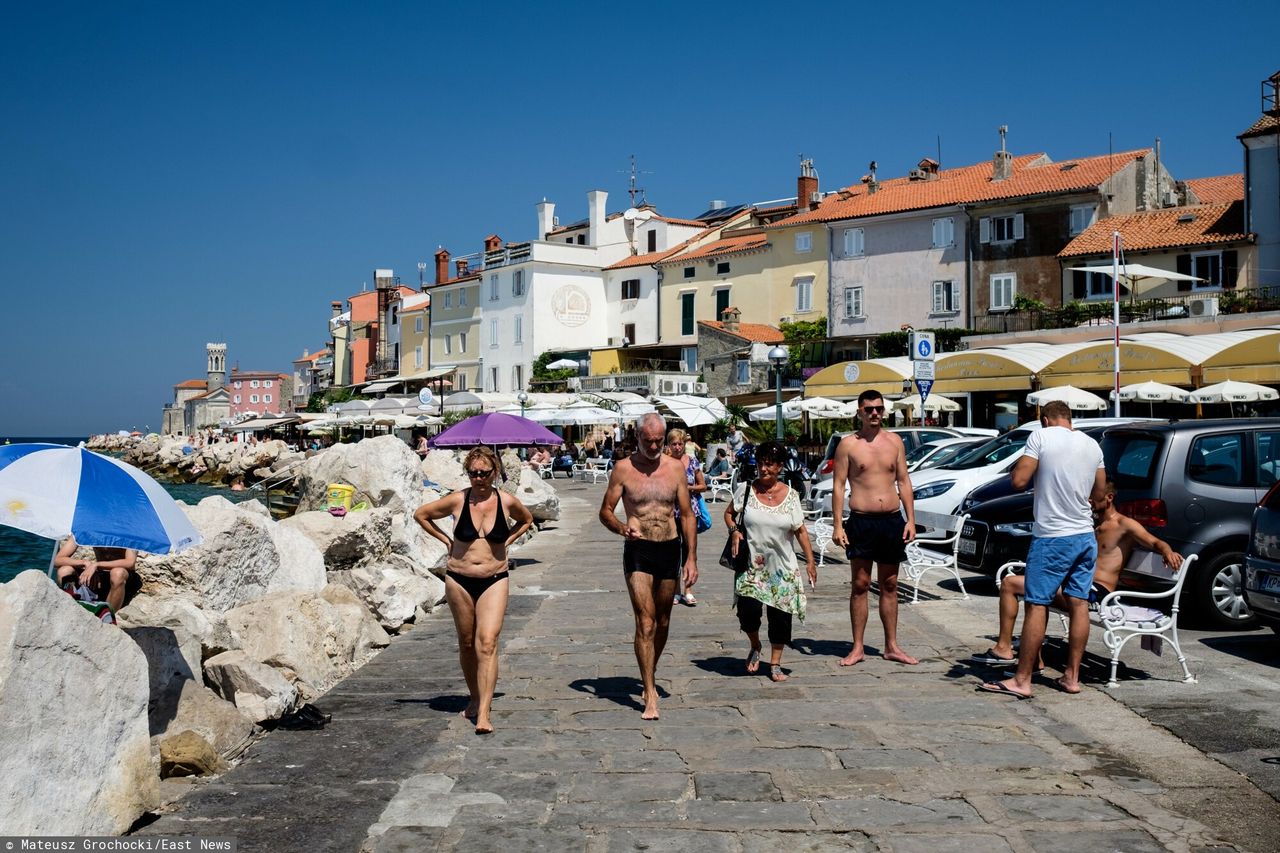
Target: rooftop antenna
(634,191)
(806,167)
(939,151)
(422,267)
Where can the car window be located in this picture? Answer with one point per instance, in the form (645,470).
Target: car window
(992,452)
(949,453)
(918,453)
(1268,455)
(929,435)
(1131,458)
(1217,460)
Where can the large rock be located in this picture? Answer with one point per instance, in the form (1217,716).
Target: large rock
(314,639)
(199,709)
(188,754)
(444,468)
(392,589)
(344,542)
(425,552)
(535,493)
(73,717)
(261,692)
(383,471)
(301,561)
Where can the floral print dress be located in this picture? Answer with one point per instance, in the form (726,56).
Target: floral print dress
(773,576)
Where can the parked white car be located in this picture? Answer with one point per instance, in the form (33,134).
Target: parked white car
(941,452)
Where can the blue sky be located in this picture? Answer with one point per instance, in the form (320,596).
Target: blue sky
(172,174)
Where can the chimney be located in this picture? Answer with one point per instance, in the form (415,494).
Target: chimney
(337,308)
(596,200)
(462,266)
(1002,165)
(305,352)
(807,196)
(730,317)
(870,179)
(442,265)
(546,218)
(930,168)
(492,243)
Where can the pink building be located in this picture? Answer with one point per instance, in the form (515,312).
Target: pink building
(260,392)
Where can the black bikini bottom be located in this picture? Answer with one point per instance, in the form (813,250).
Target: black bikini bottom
(475,587)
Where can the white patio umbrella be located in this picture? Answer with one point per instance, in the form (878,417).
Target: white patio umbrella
(1138,277)
(820,407)
(791,411)
(562,364)
(1233,392)
(1078,399)
(694,411)
(1153,392)
(580,416)
(933,403)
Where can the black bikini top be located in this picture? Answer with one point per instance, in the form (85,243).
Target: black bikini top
(465,529)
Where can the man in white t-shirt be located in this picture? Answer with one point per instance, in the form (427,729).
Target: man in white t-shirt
(1068,470)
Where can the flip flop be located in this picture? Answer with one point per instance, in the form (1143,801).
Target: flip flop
(990,658)
(776,674)
(753,660)
(689,600)
(1001,688)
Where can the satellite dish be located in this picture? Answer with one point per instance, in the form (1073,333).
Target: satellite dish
(425,399)
(631,214)
(643,215)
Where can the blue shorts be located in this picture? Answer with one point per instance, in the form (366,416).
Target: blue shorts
(1063,561)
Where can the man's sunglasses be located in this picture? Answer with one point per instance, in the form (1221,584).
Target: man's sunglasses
(485,473)
(873,409)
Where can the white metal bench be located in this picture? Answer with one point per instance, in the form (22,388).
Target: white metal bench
(1121,622)
(942,553)
(596,468)
(722,485)
(821,530)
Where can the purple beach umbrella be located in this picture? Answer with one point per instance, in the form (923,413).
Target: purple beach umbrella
(496,430)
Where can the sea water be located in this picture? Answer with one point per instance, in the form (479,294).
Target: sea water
(20,551)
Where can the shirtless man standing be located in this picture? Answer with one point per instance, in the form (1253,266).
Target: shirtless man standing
(651,486)
(874,463)
(1117,536)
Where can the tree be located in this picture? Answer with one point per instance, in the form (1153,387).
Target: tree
(322,400)
(795,335)
(542,374)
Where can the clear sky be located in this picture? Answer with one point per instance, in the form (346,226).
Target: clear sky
(177,173)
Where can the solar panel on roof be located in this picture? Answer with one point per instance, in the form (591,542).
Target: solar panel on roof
(721,212)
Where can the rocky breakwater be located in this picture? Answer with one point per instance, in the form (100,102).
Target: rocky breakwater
(234,633)
(171,457)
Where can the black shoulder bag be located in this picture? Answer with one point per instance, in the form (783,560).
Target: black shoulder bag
(740,562)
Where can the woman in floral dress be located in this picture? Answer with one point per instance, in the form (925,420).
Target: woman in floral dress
(772,583)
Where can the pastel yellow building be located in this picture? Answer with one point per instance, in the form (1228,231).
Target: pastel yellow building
(453,338)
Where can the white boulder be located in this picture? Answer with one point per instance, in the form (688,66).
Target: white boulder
(259,691)
(346,541)
(535,493)
(444,468)
(383,471)
(392,590)
(73,717)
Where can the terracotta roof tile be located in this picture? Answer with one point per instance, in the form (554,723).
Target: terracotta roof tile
(1219,189)
(313,356)
(671,220)
(1173,227)
(757,333)
(643,260)
(723,246)
(1262,127)
(193,383)
(1033,174)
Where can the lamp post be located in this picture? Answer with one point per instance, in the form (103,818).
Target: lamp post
(778,357)
(524,399)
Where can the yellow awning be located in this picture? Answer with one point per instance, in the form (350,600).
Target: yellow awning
(848,379)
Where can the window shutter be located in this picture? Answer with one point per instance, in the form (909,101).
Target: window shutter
(938,305)
(1230,269)
(1184,268)
(955,296)
(937,233)
(1079,284)
(1017,226)
(984,229)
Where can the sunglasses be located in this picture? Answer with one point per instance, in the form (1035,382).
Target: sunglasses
(484,473)
(873,409)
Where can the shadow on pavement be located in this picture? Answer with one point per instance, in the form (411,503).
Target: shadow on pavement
(623,690)
(724,665)
(827,648)
(1256,647)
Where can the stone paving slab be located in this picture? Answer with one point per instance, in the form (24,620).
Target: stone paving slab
(873,757)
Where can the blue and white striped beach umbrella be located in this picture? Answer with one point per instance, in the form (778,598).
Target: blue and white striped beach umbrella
(53,490)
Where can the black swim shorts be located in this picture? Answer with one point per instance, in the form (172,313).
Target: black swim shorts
(663,560)
(876,536)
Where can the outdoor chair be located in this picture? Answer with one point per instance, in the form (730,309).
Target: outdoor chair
(722,485)
(1121,619)
(935,554)
(821,530)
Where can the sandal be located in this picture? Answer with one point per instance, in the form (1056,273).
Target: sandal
(776,673)
(753,661)
(688,600)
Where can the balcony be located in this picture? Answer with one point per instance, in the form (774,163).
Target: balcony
(652,382)
(382,367)
(1132,311)
(512,253)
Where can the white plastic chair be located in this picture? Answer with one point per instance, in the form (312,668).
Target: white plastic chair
(942,557)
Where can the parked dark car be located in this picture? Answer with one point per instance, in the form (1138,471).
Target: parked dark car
(1262,561)
(1194,484)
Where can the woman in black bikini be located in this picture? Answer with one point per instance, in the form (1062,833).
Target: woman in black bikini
(476,584)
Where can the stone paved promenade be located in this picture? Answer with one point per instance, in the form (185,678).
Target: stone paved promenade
(879,756)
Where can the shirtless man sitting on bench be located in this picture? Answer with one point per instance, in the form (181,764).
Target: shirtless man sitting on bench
(1117,536)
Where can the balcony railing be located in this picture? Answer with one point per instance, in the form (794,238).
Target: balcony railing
(653,382)
(510,254)
(1133,311)
(382,367)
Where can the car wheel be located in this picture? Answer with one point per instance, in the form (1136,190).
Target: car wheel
(1217,593)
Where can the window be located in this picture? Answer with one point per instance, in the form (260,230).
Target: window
(462,341)
(1267,456)
(1217,460)
(946,297)
(266,383)
(448,300)
(688,272)
(266,398)
(628,333)
(517,283)
(854,243)
(253,383)
(582,239)
(1000,229)
(1207,266)
(853,303)
(722,268)
(804,293)
(462,382)
(417,356)
(448,344)
(1003,286)
(462,299)
(518,328)
(517,378)
(804,241)
(653,240)
(631,288)
(395,315)
(236,399)
(493,379)
(689,355)
(1091,285)
(493,288)
(493,333)
(944,232)
(417,325)
(722,302)
(742,372)
(1082,216)
(253,398)
(686,313)
(235,385)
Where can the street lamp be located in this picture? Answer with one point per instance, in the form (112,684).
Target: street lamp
(778,357)
(524,399)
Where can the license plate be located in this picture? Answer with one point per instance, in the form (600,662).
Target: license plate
(968,546)
(1270,583)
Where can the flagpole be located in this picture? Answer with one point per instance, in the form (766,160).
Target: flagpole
(1115,309)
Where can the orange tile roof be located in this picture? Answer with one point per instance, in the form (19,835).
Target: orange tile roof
(1221,188)
(1263,126)
(643,260)
(193,383)
(671,220)
(1033,174)
(757,333)
(313,356)
(723,246)
(1173,227)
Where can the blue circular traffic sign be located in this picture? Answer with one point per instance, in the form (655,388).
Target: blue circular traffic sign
(924,348)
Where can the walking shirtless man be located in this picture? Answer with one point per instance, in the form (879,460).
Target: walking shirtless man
(874,463)
(651,486)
